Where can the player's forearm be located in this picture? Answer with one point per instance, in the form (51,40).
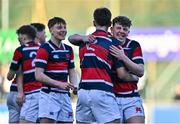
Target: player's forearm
(76,39)
(73,77)
(130,77)
(41,77)
(137,69)
(20,83)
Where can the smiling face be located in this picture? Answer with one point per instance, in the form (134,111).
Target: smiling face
(120,32)
(58,31)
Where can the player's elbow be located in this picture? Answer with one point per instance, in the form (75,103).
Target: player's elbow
(141,73)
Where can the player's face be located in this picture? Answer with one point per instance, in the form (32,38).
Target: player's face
(59,31)
(120,32)
(41,36)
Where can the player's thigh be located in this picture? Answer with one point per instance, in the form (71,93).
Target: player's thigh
(29,110)
(105,108)
(83,107)
(133,107)
(13,107)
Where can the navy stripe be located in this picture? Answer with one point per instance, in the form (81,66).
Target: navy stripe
(93,62)
(32,92)
(138,61)
(57,76)
(29,77)
(95,86)
(13,88)
(128,95)
(40,64)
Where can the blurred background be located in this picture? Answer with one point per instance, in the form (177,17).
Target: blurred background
(156,26)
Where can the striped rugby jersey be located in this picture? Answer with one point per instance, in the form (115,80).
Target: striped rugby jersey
(96,62)
(55,61)
(133,50)
(25,55)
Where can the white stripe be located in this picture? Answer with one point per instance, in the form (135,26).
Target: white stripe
(29,71)
(63,46)
(51,46)
(14,62)
(58,71)
(92,54)
(33,91)
(137,57)
(30,48)
(55,51)
(125,48)
(13,84)
(128,92)
(72,61)
(104,38)
(128,44)
(40,60)
(94,81)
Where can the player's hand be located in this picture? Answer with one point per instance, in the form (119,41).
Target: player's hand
(66,86)
(118,52)
(20,98)
(89,38)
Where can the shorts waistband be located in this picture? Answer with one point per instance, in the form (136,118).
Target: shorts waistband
(133,93)
(48,90)
(31,92)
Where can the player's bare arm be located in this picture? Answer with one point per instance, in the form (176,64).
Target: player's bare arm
(123,74)
(118,52)
(40,76)
(20,96)
(77,39)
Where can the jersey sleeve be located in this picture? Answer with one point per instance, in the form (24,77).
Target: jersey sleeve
(17,59)
(71,60)
(137,56)
(41,57)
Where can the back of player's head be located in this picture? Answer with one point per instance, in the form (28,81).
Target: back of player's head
(38,26)
(55,20)
(28,30)
(122,20)
(102,16)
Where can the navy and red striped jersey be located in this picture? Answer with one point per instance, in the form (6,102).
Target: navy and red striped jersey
(133,51)
(96,62)
(56,61)
(25,56)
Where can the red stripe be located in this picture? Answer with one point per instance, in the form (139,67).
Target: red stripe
(27,65)
(124,87)
(103,54)
(101,33)
(42,54)
(57,66)
(95,74)
(32,86)
(17,55)
(137,52)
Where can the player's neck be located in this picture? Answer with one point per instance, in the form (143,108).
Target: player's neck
(104,28)
(56,42)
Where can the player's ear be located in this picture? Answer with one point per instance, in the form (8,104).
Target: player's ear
(94,23)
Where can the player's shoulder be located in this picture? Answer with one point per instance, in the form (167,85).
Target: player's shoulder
(67,47)
(133,42)
(115,41)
